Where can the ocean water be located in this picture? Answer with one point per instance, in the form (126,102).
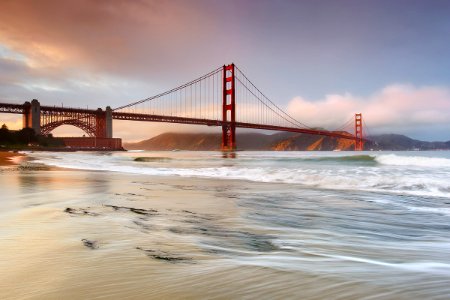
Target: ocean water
(270,225)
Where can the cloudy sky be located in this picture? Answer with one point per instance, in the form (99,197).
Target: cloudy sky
(320,60)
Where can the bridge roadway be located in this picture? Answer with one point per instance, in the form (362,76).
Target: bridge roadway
(19,109)
(209,122)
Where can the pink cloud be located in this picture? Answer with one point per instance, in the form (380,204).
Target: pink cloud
(396,106)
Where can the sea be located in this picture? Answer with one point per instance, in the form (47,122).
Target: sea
(213,225)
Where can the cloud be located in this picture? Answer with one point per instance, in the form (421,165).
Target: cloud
(117,37)
(19,83)
(395,108)
(99,53)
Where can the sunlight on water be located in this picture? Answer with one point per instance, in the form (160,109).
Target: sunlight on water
(196,225)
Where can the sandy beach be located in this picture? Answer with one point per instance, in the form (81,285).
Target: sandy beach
(90,234)
(129,233)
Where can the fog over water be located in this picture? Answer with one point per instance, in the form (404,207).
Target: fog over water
(312,225)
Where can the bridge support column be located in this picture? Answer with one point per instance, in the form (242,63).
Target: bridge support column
(359,141)
(103,123)
(26,116)
(100,123)
(109,122)
(32,116)
(228,109)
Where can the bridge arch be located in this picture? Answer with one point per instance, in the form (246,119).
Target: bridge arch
(88,128)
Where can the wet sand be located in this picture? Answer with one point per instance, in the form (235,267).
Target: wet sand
(10,158)
(139,250)
(90,234)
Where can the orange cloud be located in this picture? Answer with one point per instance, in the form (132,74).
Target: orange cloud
(125,37)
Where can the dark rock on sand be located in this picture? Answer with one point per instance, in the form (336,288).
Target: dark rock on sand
(140,211)
(79,211)
(33,167)
(90,244)
(142,225)
(162,255)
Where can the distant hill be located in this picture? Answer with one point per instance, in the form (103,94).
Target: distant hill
(200,141)
(402,142)
(246,141)
(282,141)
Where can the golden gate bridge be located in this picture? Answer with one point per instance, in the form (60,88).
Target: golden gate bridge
(224,97)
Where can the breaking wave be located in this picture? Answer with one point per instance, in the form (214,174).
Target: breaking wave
(348,159)
(374,176)
(385,159)
(416,161)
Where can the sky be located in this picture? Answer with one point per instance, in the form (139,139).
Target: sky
(322,61)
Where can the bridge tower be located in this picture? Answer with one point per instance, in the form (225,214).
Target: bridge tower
(359,142)
(32,115)
(100,123)
(229,109)
(103,123)
(109,122)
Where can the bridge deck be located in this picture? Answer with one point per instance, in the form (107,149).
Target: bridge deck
(11,108)
(209,122)
(19,109)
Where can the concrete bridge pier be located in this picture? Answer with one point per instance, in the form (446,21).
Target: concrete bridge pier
(103,123)
(109,122)
(32,116)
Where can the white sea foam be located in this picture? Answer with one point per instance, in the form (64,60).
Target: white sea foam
(426,267)
(436,210)
(323,261)
(417,161)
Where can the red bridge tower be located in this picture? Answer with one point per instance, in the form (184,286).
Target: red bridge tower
(229,109)
(359,141)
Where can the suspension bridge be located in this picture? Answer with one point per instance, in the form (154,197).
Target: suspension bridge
(224,98)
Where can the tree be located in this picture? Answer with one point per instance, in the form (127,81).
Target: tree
(26,136)
(5,135)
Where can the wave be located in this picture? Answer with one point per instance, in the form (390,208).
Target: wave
(362,177)
(414,161)
(350,158)
(359,178)
(322,262)
(365,160)
(152,159)
(436,210)
(426,267)
(384,159)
